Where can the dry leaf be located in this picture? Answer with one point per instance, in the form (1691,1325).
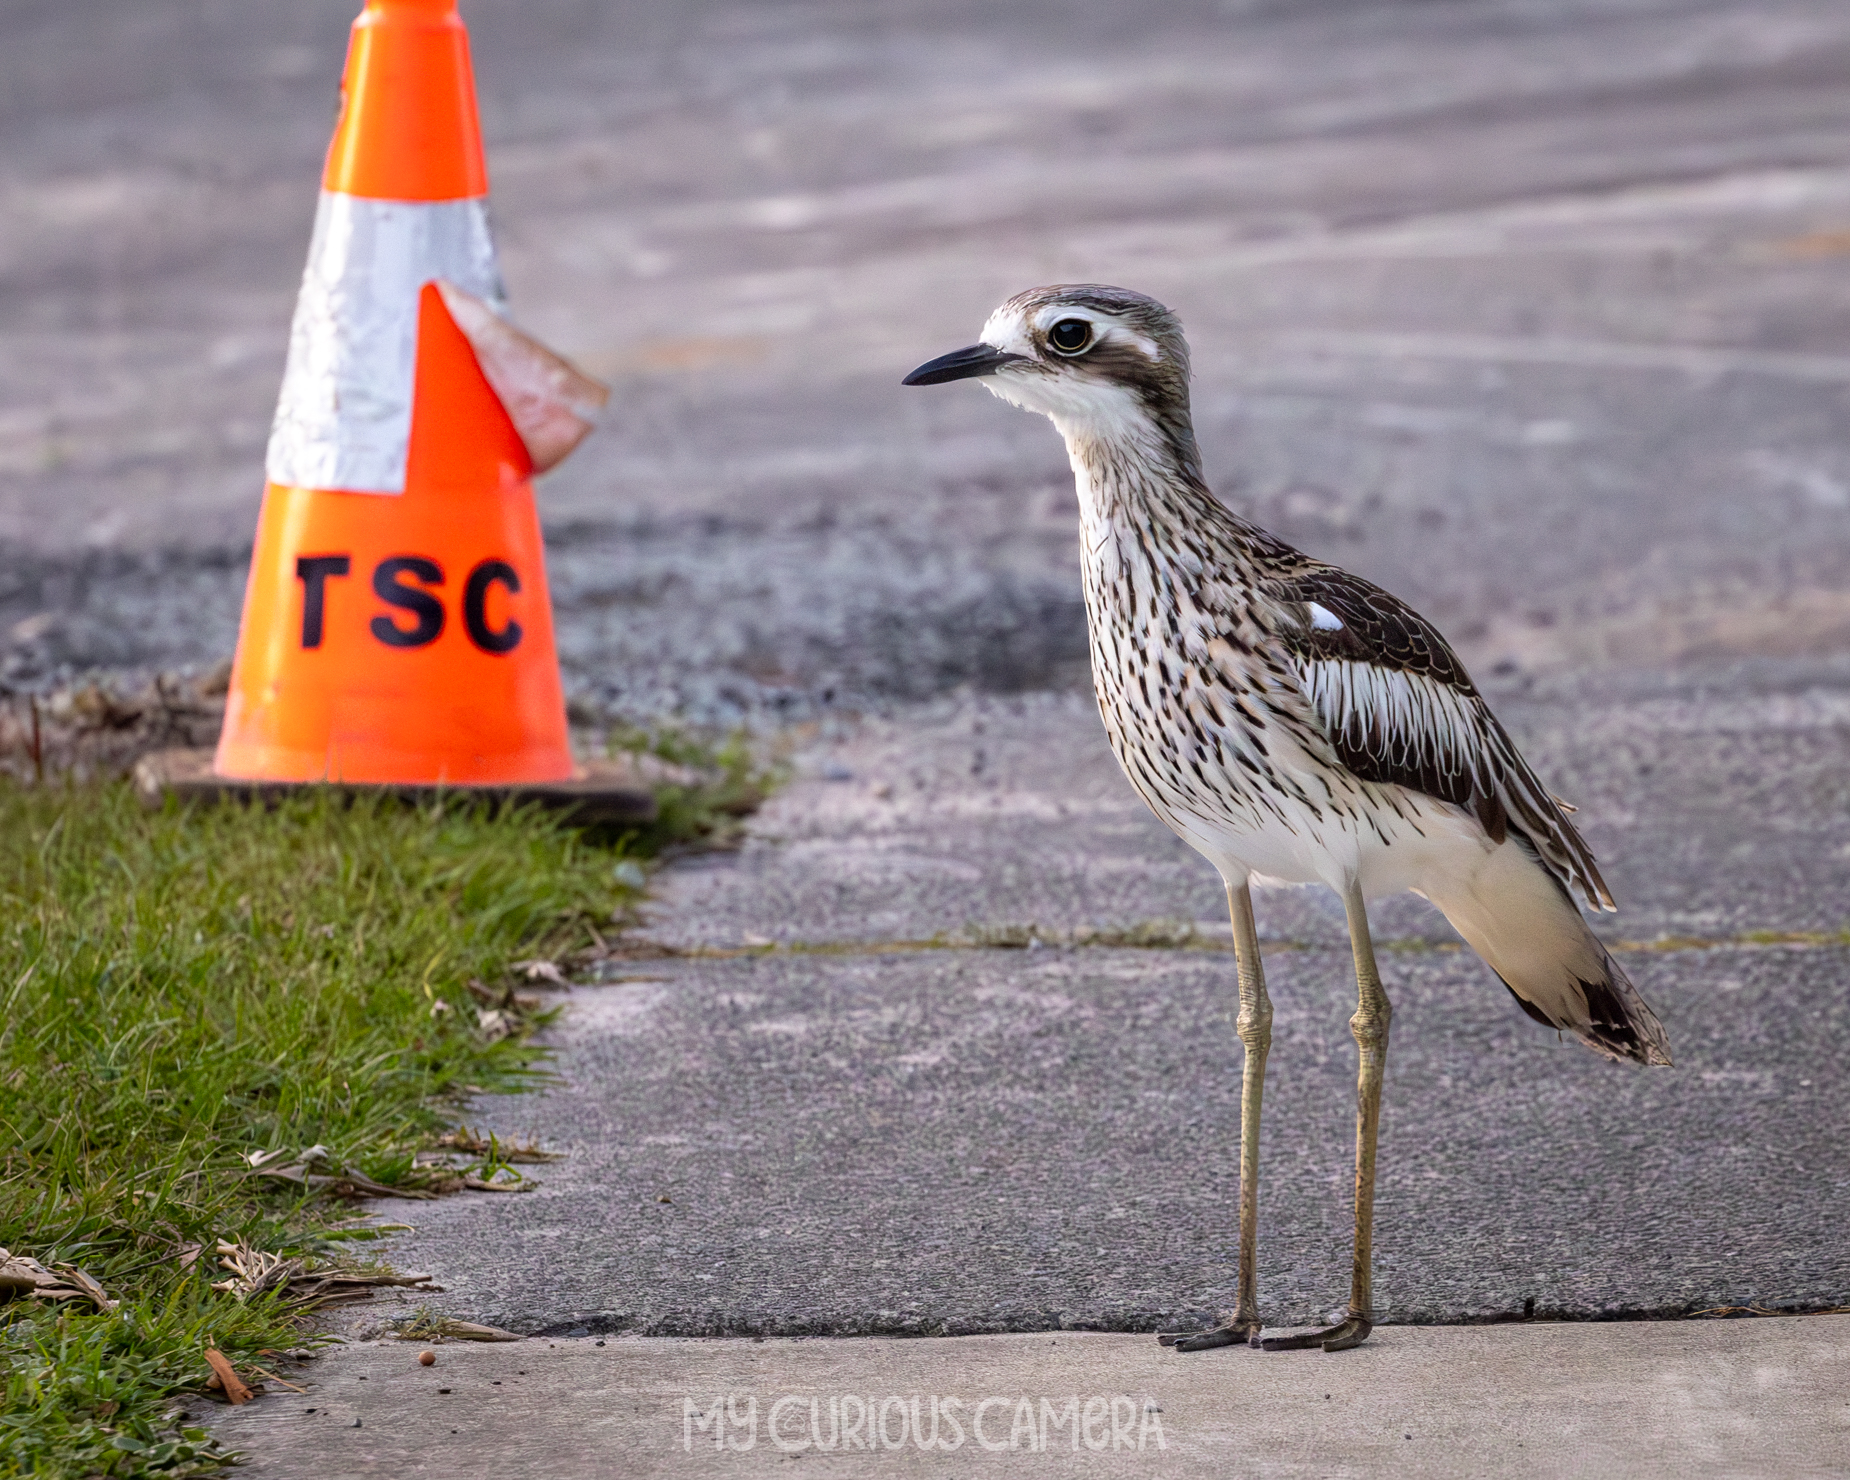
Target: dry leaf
(254,1271)
(313,1291)
(89,1287)
(19,1274)
(236,1392)
(22,1274)
(337,1184)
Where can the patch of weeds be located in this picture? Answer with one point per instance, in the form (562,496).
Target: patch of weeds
(719,784)
(183,992)
(1142,935)
(494,1168)
(425,1324)
(1149,935)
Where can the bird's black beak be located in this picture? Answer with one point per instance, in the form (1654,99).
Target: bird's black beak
(962,364)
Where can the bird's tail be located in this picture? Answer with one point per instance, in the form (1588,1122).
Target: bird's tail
(1514,913)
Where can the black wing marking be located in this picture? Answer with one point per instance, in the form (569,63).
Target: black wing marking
(1399,708)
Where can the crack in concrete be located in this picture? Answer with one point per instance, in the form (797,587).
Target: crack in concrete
(1164,936)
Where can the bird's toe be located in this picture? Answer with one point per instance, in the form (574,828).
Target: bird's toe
(1339,1338)
(1202,1341)
(1352,1332)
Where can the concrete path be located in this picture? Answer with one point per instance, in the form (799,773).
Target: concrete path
(965,1063)
(1679,1401)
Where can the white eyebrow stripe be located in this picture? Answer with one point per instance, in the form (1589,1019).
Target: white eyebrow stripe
(1102,324)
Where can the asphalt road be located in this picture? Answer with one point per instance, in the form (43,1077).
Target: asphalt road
(1536,314)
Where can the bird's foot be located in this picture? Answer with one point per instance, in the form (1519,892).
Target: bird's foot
(1232,1333)
(1352,1332)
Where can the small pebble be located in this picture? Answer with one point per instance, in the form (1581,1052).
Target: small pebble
(443,1390)
(427,1358)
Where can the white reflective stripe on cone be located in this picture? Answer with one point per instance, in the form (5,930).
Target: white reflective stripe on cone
(343,420)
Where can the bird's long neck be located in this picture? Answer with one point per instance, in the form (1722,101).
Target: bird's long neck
(1180,632)
(1142,502)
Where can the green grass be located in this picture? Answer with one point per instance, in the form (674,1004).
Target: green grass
(180,989)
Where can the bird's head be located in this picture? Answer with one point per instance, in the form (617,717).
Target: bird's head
(1106,364)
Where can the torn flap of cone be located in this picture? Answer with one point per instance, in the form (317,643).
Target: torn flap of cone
(552,403)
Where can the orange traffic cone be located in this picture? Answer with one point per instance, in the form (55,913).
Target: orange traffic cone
(397,626)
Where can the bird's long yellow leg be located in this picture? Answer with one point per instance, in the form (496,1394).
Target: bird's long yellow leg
(1370,1026)
(1254,1026)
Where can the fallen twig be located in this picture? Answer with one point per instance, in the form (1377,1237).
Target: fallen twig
(269,1376)
(312,1292)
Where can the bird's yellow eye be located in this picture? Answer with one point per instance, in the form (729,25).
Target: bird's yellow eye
(1070,336)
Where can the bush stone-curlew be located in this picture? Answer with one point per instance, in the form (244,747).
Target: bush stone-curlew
(1293,723)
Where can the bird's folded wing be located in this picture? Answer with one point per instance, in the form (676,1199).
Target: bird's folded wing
(1399,708)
